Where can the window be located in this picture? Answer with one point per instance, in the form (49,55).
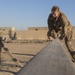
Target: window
(36,29)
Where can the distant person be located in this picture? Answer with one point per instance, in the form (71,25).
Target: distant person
(10,34)
(15,34)
(60,27)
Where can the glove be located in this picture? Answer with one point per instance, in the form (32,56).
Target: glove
(48,33)
(62,36)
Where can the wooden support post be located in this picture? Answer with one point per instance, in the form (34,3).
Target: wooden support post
(12,57)
(10,54)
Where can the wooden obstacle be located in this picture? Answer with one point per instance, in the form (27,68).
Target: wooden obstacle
(12,57)
(52,60)
(9,53)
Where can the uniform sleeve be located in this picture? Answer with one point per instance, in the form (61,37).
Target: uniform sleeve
(64,22)
(49,21)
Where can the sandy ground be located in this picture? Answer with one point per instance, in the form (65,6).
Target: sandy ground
(23,52)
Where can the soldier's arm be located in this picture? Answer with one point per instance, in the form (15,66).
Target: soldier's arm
(64,23)
(49,21)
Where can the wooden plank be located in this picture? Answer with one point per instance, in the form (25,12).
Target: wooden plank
(13,57)
(52,60)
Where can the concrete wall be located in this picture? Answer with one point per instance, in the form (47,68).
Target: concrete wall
(32,34)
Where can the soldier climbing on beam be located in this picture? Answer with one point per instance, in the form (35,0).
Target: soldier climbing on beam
(60,27)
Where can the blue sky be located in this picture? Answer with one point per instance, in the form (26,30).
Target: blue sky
(32,13)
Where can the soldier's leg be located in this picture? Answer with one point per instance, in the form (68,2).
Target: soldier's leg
(69,44)
(68,40)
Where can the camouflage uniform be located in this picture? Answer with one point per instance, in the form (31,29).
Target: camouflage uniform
(60,27)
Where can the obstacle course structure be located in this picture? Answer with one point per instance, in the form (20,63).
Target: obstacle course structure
(9,53)
(52,60)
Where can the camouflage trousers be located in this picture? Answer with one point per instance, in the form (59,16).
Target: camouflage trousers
(68,38)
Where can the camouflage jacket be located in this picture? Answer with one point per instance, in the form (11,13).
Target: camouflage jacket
(60,23)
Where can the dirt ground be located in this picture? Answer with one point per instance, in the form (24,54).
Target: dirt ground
(23,52)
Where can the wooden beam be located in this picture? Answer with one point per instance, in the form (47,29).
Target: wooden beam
(12,57)
(52,60)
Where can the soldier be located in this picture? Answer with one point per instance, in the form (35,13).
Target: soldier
(15,34)
(60,27)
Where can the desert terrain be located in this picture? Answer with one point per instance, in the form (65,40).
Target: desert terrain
(24,52)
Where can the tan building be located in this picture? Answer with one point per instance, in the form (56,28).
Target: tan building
(4,31)
(7,28)
(33,33)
